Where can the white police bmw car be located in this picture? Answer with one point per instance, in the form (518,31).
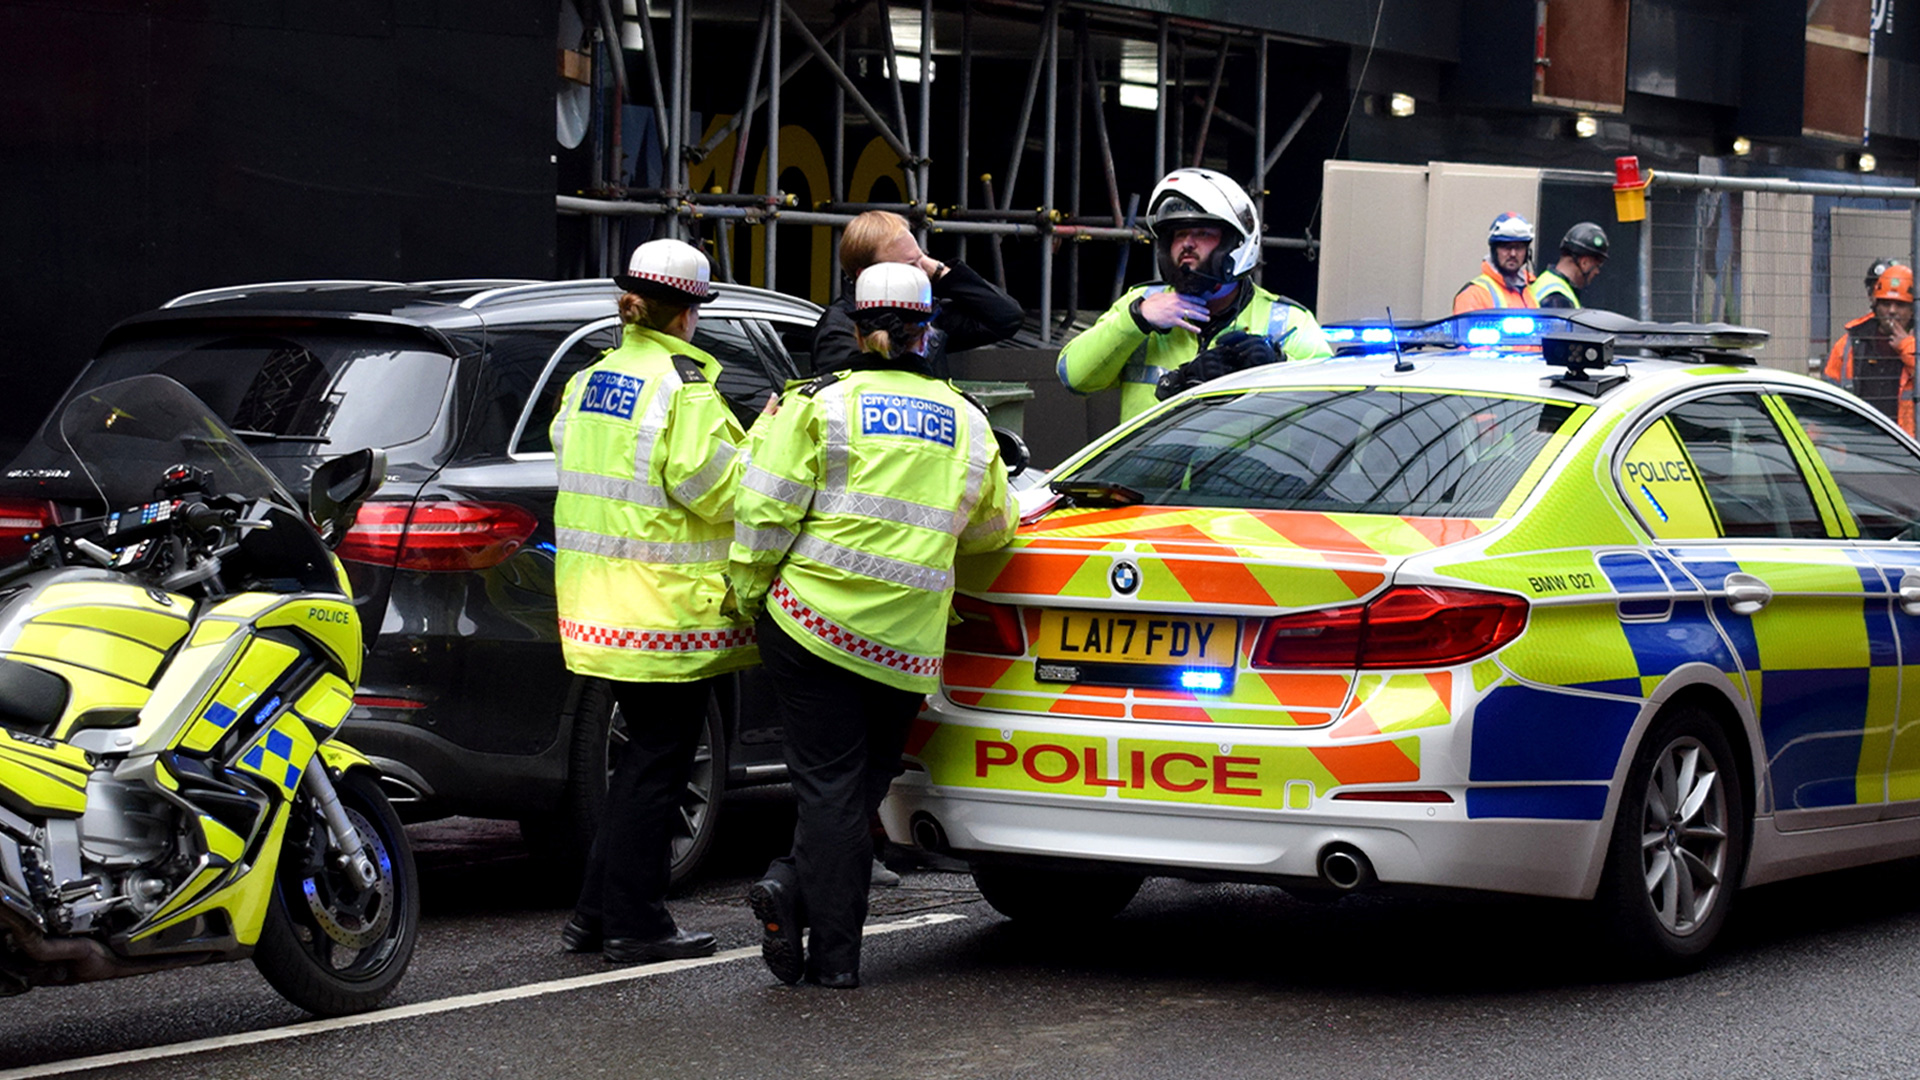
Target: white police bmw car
(1563,606)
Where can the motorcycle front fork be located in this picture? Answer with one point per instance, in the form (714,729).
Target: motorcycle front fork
(346,845)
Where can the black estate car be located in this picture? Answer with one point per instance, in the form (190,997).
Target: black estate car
(465,703)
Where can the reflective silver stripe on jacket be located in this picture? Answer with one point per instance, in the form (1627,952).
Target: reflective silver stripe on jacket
(647,551)
(979,456)
(777,487)
(693,487)
(839,446)
(886,508)
(638,492)
(984,528)
(652,422)
(772,538)
(912,575)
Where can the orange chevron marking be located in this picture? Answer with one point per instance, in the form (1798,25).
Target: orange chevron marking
(918,734)
(1163,712)
(1045,575)
(1216,582)
(1357,723)
(1071,707)
(1360,581)
(1368,763)
(1308,691)
(1442,683)
(962,669)
(967,697)
(1444,531)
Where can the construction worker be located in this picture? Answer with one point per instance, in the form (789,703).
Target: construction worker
(1583,251)
(648,470)
(1838,356)
(1503,279)
(1205,316)
(864,485)
(1877,364)
(971,311)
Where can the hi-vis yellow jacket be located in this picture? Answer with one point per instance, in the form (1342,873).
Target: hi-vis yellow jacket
(1116,349)
(649,465)
(861,490)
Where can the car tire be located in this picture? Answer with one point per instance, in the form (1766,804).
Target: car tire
(1678,845)
(1045,897)
(599,731)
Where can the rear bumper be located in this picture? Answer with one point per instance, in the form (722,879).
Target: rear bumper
(1257,807)
(457,780)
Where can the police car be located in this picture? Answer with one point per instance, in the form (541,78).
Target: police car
(1559,605)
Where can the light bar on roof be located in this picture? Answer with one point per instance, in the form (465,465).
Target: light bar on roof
(1496,327)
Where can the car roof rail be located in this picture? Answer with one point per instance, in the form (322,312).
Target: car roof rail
(474,283)
(532,289)
(233,292)
(1512,327)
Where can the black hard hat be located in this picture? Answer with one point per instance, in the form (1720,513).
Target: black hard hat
(1586,238)
(1881,266)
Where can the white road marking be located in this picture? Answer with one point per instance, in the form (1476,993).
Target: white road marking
(430,1008)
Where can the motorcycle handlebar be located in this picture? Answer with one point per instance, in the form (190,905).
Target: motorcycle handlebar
(203,518)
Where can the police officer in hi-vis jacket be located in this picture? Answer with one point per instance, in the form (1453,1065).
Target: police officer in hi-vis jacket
(862,488)
(649,463)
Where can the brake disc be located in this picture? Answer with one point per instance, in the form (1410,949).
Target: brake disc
(339,909)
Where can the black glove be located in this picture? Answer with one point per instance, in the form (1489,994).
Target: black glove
(1243,350)
(1235,350)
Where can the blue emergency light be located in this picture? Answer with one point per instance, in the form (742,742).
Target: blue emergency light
(1511,328)
(1202,680)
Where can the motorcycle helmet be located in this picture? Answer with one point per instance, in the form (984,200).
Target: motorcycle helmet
(670,271)
(1586,238)
(1187,198)
(1510,228)
(1895,283)
(1881,266)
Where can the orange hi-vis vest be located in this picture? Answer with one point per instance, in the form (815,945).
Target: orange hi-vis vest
(1488,289)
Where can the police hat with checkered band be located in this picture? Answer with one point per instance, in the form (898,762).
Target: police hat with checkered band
(670,271)
(898,290)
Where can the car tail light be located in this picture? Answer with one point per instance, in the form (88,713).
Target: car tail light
(1410,626)
(437,536)
(985,628)
(19,519)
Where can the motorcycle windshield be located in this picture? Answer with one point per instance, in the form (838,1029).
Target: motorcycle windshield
(127,434)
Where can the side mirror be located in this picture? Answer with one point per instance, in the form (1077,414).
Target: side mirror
(339,487)
(1013,451)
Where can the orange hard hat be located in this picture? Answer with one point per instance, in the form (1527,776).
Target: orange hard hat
(1896,283)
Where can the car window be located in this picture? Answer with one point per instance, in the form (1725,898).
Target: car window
(300,392)
(1664,488)
(582,351)
(1877,473)
(1754,485)
(745,380)
(1373,450)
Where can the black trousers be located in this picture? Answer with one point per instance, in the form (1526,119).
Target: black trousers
(844,735)
(624,892)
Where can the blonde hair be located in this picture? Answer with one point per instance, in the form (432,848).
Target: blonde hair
(865,236)
(883,343)
(637,310)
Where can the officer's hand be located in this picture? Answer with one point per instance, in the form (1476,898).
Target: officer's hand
(772,406)
(1243,350)
(1207,366)
(1169,309)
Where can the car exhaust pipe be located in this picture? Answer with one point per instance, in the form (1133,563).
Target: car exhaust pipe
(1346,868)
(927,833)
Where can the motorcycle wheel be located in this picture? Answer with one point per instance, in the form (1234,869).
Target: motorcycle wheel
(327,946)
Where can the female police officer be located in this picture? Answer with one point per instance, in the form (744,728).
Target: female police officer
(648,470)
(863,487)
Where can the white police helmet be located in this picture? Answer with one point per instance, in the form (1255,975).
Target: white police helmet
(1187,198)
(668,270)
(893,288)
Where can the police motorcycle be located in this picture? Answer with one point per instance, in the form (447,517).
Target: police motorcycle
(172,675)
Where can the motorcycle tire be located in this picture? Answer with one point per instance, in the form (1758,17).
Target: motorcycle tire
(326,946)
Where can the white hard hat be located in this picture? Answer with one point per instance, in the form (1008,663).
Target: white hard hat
(1190,197)
(669,270)
(1510,228)
(895,287)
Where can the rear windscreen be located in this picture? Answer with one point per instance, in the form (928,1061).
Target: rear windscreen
(311,394)
(1367,450)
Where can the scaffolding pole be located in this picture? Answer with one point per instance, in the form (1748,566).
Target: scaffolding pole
(773,141)
(1047,161)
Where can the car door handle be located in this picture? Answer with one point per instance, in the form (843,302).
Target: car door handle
(1746,594)
(1910,593)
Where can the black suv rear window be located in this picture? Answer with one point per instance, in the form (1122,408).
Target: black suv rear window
(311,393)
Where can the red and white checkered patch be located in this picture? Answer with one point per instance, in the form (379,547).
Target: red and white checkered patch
(611,637)
(849,642)
(909,304)
(685,285)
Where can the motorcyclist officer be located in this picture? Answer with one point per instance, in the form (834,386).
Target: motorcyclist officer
(863,486)
(1583,251)
(1205,317)
(648,460)
(1503,281)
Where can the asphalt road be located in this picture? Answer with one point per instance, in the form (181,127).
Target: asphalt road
(1816,978)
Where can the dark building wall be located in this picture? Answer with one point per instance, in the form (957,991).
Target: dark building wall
(153,148)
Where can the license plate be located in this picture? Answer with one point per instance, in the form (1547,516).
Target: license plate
(1136,650)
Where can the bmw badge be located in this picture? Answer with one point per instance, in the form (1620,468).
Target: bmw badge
(1124,577)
